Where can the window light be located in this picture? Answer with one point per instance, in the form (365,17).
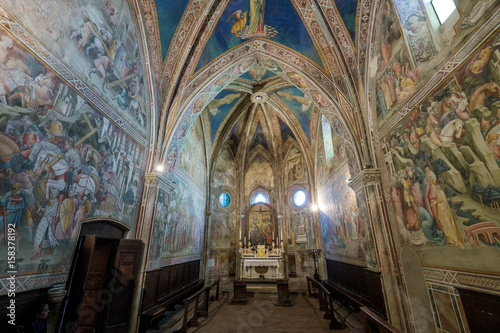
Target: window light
(443,9)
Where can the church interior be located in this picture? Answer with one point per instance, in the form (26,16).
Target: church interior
(149,149)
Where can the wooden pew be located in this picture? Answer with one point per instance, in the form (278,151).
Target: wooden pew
(375,323)
(166,286)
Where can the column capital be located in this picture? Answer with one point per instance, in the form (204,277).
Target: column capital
(365,177)
(150,178)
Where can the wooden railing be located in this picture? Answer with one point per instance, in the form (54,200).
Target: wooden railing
(200,309)
(325,303)
(375,323)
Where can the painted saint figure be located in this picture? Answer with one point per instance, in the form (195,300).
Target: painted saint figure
(256,25)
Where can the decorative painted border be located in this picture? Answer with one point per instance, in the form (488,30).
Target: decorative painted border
(469,280)
(29,282)
(179,260)
(339,30)
(153,36)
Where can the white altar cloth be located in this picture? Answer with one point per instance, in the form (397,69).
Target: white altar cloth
(260,263)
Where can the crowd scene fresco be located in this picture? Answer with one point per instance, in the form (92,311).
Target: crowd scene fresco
(179,217)
(443,160)
(184,224)
(344,222)
(61,162)
(100,45)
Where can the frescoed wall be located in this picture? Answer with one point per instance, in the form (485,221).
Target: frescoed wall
(160,229)
(183,239)
(191,158)
(344,221)
(259,173)
(413,44)
(299,220)
(61,163)
(396,75)
(443,164)
(224,221)
(98,40)
(185,217)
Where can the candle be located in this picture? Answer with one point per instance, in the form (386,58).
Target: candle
(273,234)
(245,241)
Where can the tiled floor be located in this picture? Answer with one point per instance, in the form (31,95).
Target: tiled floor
(261,315)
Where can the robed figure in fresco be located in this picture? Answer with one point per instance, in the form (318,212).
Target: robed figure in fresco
(256,24)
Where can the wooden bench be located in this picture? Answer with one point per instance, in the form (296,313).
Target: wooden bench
(348,299)
(164,287)
(325,303)
(375,323)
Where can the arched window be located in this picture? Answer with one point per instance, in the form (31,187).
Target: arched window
(259,197)
(327,139)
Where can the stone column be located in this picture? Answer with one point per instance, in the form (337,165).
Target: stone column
(380,252)
(206,248)
(143,232)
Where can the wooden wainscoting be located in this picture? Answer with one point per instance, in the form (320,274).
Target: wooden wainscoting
(164,287)
(356,286)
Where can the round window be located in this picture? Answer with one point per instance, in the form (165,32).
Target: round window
(299,198)
(224,199)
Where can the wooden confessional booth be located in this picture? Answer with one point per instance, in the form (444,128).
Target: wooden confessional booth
(102,279)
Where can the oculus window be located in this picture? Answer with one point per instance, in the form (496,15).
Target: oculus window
(443,9)
(299,198)
(224,199)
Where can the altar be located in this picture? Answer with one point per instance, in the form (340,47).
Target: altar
(261,247)
(269,265)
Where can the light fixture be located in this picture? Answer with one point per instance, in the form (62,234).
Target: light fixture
(259,97)
(160,168)
(314,208)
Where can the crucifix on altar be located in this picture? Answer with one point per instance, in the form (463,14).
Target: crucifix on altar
(260,256)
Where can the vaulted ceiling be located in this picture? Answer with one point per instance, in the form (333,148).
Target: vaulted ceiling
(215,54)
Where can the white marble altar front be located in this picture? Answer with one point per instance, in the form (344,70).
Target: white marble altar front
(261,264)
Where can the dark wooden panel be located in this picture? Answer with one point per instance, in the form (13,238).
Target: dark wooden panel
(375,293)
(150,289)
(357,283)
(126,266)
(482,310)
(164,282)
(172,281)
